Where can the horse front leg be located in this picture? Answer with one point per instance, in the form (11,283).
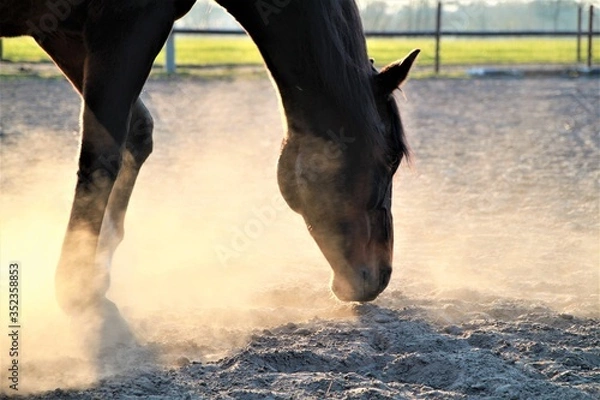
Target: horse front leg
(117,64)
(80,284)
(138,148)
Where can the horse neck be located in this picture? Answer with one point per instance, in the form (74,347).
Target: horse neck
(316,53)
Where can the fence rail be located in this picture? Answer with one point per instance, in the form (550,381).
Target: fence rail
(436,34)
(224,32)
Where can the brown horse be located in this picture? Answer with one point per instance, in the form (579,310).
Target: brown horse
(343,144)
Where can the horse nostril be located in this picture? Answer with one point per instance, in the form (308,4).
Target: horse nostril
(364,274)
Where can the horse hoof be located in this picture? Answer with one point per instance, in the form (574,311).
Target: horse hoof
(104,331)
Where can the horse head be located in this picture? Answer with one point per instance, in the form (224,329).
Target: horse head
(340,180)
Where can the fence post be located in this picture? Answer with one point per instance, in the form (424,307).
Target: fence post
(438,29)
(1,51)
(170,65)
(579,14)
(590,36)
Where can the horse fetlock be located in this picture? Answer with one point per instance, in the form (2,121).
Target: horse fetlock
(79,282)
(80,290)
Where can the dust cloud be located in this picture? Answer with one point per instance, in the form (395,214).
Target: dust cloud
(211,251)
(503,202)
(212,255)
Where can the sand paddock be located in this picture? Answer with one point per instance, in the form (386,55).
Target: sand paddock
(495,290)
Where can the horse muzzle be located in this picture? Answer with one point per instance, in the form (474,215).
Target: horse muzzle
(361,284)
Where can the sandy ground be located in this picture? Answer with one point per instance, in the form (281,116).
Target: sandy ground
(495,293)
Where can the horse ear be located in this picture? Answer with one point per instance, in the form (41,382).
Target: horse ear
(391,77)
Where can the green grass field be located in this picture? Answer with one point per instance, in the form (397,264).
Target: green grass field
(214,50)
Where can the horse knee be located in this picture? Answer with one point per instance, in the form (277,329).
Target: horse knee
(139,139)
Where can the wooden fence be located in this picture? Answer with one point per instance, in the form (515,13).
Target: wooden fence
(437,35)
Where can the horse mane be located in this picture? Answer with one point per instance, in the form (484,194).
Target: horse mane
(399,144)
(335,51)
(339,58)
(323,42)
